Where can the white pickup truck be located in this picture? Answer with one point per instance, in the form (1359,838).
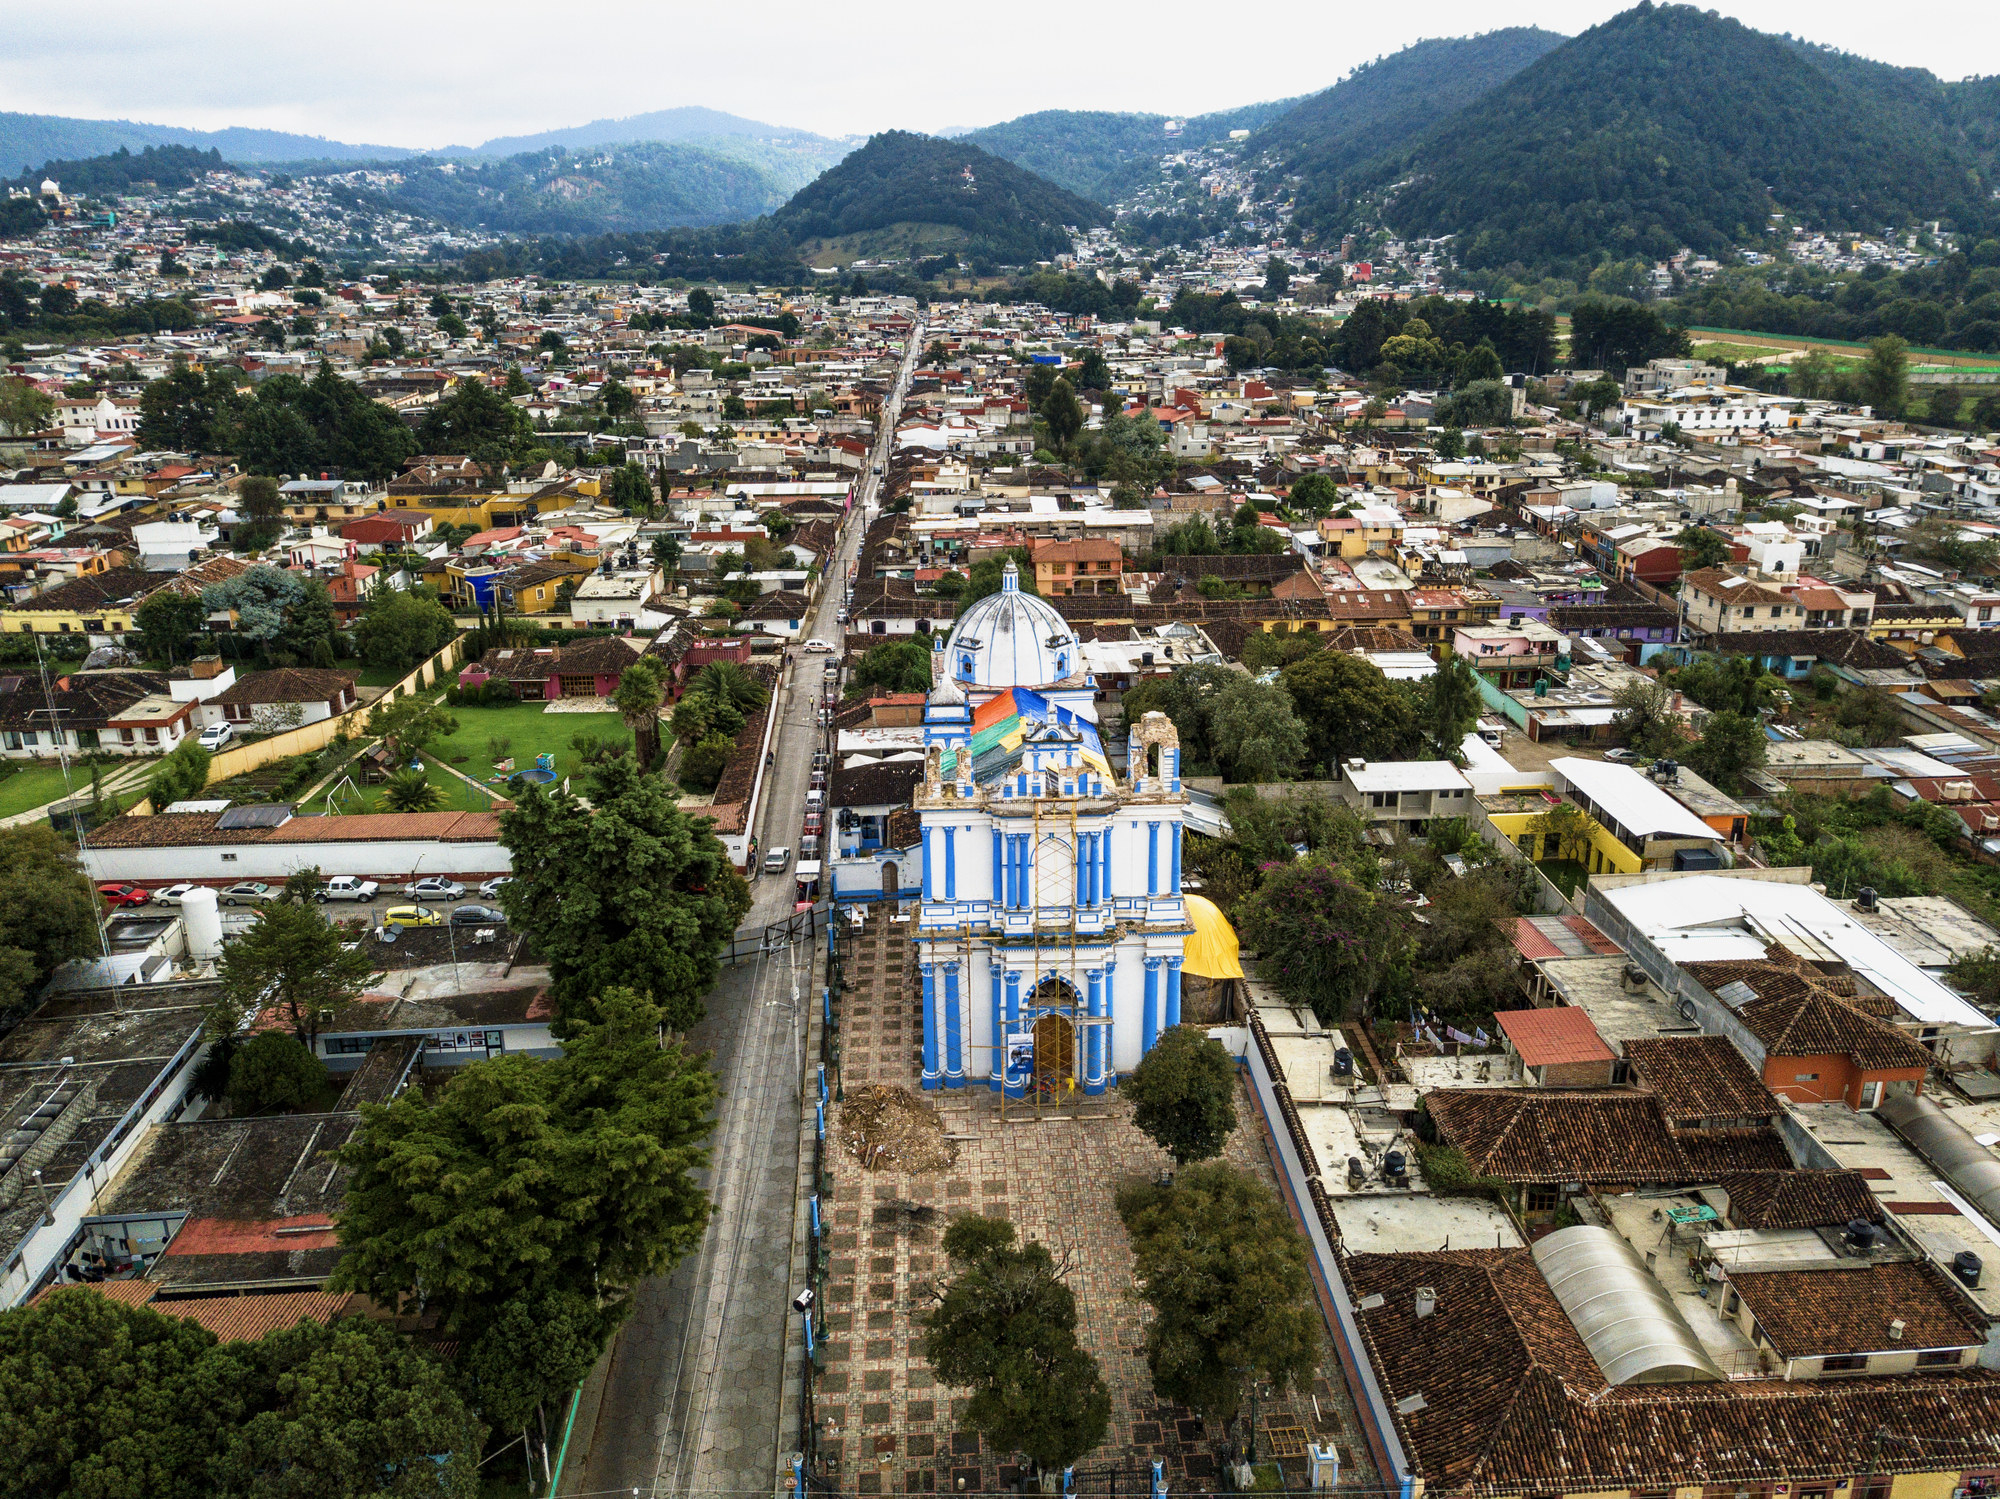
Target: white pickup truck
(346,887)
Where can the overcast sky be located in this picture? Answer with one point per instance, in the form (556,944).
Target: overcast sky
(438,72)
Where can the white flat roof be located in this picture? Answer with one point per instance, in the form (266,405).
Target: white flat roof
(1406,775)
(1639,806)
(1698,918)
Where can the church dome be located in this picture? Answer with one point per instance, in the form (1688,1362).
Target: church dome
(1011,639)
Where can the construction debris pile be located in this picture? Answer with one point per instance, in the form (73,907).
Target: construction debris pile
(892,1129)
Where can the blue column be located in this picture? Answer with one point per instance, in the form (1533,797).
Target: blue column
(1094,1048)
(1152,858)
(1174,845)
(1173,991)
(1091,841)
(931,1075)
(951,862)
(999,891)
(954,1030)
(1020,1085)
(1104,866)
(927,863)
(998,1056)
(1150,1031)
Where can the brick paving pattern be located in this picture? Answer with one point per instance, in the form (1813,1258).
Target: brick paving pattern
(887,1426)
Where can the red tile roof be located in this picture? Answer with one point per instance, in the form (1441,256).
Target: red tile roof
(230,1318)
(1551,1037)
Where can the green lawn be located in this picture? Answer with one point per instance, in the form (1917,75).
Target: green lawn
(374,676)
(35,783)
(529,732)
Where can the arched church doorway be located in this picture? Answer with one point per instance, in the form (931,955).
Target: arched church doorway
(1055,1034)
(889,878)
(1055,1052)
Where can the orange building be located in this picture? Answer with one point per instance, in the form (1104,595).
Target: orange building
(1089,566)
(1817,1043)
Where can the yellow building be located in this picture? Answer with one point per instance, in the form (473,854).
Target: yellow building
(100,605)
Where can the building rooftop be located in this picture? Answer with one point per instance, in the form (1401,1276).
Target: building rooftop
(1695,918)
(1624,795)
(1553,1037)
(1850,1306)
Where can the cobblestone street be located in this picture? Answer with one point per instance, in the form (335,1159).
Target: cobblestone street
(887,1427)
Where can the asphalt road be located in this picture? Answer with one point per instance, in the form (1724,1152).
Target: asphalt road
(693,1389)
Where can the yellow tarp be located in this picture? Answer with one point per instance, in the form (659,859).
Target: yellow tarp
(1211,948)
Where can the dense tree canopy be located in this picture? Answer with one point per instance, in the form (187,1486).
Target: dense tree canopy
(48,911)
(527,1177)
(635,893)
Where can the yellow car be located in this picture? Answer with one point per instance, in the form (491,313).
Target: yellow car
(411,916)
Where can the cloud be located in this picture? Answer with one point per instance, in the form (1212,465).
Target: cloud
(436,74)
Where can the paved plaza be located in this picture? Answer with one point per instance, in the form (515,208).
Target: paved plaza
(887,1426)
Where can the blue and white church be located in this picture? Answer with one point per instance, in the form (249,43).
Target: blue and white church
(1051,932)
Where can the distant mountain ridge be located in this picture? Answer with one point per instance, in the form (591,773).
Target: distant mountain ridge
(29,139)
(688,123)
(628,188)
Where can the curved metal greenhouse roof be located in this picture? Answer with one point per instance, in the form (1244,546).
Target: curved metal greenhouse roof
(1624,1316)
(1949,1146)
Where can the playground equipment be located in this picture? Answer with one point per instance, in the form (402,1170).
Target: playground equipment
(342,794)
(540,773)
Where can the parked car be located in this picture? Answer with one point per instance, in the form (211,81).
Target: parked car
(215,736)
(818,648)
(491,889)
(435,888)
(125,895)
(347,887)
(410,916)
(250,892)
(1622,756)
(777,859)
(173,894)
(478,916)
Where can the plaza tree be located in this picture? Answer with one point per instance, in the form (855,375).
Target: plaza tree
(1004,1327)
(1223,1267)
(1183,1094)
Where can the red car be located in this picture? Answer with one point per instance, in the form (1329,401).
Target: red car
(125,895)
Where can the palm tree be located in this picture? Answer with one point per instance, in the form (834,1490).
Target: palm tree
(412,791)
(727,682)
(640,692)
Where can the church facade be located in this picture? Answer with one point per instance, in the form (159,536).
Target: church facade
(1051,927)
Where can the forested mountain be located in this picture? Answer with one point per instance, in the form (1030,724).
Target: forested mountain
(1387,102)
(651,185)
(1667,127)
(1102,155)
(898,178)
(26,138)
(121,171)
